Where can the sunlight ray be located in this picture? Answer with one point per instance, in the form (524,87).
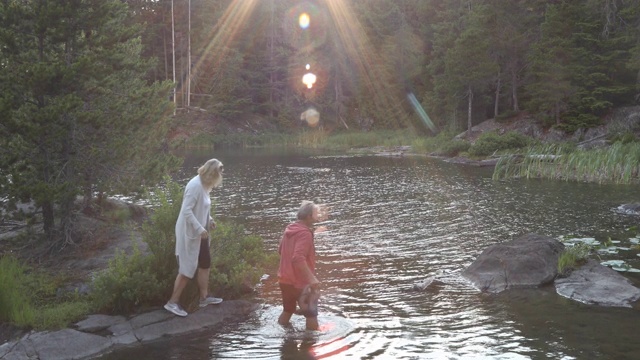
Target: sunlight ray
(369,64)
(230,24)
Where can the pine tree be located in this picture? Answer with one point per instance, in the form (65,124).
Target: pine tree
(80,116)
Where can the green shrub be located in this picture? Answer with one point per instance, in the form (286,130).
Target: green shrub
(158,231)
(572,257)
(140,280)
(491,142)
(237,260)
(127,284)
(454,148)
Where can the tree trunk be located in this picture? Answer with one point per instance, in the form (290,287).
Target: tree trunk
(48,219)
(469,111)
(497,99)
(514,90)
(272,62)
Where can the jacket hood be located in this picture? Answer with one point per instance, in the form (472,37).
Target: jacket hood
(295,228)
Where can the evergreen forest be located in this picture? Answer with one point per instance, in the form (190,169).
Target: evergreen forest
(89,88)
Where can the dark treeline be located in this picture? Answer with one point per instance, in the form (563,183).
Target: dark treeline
(87,86)
(566,62)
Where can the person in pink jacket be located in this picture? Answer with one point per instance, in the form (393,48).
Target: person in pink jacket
(296,272)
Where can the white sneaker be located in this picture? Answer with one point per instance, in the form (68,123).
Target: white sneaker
(175,308)
(210,301)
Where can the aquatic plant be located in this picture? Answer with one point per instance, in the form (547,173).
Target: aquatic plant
(572,257)
(618,164)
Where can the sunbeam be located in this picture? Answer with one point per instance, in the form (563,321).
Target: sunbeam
(227,28)
(362,53)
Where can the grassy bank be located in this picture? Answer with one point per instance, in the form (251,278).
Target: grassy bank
(306,138)
(619,164)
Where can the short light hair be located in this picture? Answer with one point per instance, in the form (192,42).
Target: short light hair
(306,209)
(211,173)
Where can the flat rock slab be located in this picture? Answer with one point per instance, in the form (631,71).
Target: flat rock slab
(596,284)
(114,331)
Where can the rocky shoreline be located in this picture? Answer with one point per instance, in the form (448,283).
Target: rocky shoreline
(100,334)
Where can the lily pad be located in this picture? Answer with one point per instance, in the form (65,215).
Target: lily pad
(588,240)
(613,263)
(619,268)
(610,250)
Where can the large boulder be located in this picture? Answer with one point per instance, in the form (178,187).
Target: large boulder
(596,284)
(529,261)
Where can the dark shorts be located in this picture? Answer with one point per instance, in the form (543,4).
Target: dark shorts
(204,257)
(290,297)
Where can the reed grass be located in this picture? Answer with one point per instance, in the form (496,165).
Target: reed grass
(618,164)
(15,305)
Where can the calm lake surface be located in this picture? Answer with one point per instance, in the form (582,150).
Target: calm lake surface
(394,221)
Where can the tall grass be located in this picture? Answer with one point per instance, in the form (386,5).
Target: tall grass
(15,304)
(29,298)
(572,257)
(619,163)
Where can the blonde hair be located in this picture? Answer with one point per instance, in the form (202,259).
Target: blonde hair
(211,174)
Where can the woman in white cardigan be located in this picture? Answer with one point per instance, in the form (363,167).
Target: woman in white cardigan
(192,236)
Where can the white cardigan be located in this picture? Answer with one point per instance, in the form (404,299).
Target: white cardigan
(193,220)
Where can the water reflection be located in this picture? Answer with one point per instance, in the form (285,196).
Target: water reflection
(395,221)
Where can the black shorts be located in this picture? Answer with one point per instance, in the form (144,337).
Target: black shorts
(290,297)
(204,256)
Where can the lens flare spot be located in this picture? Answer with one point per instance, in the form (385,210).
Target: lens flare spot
(308,67)
(304,20)
(309,79)
(311,116)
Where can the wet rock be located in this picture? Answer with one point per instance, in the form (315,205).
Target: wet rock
(596,284)
(95,323)
(529,261)
(629,209)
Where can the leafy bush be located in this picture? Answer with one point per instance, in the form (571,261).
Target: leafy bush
(454,148)
(571,257)
(128,283)
(490,142)
(139,280)
(158,232)
(237,260)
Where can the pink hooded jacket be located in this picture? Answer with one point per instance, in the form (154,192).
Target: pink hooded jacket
(296,246)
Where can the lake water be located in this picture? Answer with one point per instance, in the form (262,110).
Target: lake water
(394,221)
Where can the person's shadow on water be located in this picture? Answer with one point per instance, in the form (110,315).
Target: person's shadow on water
(294,348)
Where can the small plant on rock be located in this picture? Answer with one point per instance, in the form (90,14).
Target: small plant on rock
(572,257)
